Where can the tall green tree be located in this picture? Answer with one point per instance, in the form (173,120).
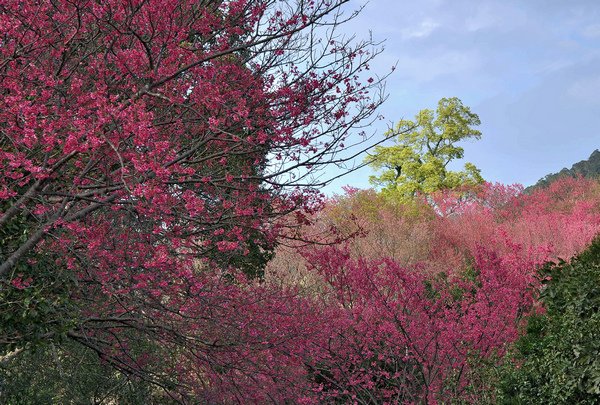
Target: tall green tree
(418,162)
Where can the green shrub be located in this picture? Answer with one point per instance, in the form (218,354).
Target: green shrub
(557,361)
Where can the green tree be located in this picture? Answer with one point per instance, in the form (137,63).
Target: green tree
(69,373)
(558,360)
(418,162)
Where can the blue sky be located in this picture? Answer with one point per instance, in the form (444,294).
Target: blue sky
(529,68)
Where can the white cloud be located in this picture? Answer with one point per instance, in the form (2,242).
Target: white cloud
(430,66)
(591,31)
(495,15)
(424,29)
(586,90)
(553,66)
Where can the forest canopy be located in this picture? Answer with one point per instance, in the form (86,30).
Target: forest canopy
(163,239)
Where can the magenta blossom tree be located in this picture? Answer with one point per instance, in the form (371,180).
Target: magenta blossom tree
(147,150)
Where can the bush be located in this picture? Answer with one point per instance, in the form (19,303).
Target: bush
(558,359)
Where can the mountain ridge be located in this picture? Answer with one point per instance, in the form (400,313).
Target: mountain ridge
(587,168)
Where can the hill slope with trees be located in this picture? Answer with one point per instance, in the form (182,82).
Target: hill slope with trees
(584,168)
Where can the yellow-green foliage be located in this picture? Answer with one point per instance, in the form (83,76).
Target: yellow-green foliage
(418,162)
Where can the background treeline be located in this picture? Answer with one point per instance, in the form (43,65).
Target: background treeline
(586,168)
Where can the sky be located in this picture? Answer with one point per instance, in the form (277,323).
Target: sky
(529,68)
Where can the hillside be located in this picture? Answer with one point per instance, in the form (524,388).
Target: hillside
(585,168)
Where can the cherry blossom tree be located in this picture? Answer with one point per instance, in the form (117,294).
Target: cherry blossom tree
(431,328)
(183,117)
(148,149)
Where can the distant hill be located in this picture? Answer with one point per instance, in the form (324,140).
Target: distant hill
(585,168)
